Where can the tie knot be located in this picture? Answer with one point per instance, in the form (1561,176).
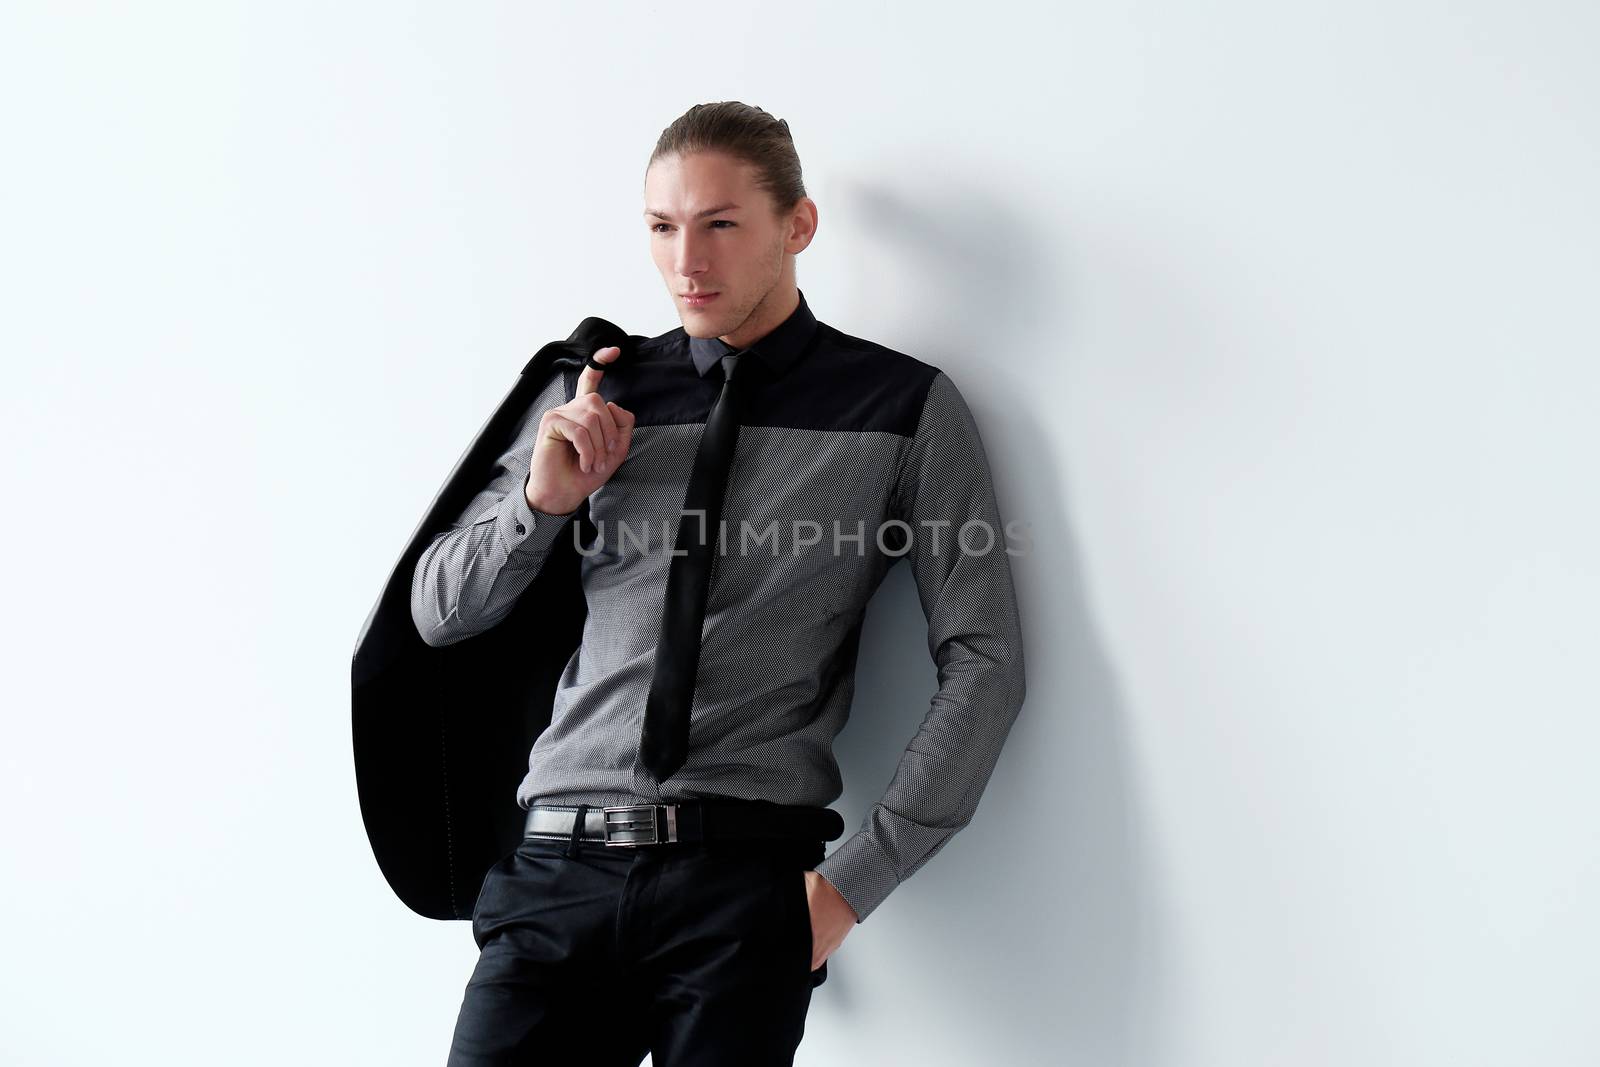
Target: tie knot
(730,365)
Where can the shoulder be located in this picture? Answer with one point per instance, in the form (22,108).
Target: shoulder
(878,361)
(890,379)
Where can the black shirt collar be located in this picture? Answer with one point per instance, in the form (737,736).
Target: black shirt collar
(778,349)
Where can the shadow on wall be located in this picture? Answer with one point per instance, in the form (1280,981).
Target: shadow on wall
(1037,935)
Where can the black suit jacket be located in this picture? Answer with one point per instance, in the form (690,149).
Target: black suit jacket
(442,735)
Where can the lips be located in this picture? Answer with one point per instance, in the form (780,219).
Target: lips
(695,300)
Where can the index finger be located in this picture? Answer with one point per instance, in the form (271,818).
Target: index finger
(589,380)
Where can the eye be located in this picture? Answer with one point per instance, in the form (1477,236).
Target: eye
(657,227)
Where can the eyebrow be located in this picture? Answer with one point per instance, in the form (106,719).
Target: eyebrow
(698,215)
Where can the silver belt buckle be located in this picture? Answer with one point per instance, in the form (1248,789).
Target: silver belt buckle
(638,824)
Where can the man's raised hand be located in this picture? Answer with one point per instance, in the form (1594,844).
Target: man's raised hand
(580,445)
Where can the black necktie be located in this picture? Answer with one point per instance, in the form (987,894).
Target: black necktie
(664,743)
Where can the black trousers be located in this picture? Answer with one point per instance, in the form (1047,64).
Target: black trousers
(696,953)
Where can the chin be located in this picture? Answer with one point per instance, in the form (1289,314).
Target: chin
(699,324)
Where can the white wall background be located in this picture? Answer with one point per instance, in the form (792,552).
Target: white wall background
(1279,322)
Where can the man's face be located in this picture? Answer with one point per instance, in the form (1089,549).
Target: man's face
(712,230)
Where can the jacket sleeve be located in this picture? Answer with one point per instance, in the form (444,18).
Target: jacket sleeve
(959,559)
(471,575)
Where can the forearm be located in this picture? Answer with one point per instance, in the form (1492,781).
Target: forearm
(471,576)
(939,780)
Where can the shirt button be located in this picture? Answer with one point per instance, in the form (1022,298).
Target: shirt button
(521,528)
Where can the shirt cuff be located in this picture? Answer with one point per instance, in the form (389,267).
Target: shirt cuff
(861,873)
(526,531)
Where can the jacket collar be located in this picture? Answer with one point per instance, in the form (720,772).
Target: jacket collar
(778,349)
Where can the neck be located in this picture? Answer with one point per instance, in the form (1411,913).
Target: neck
(778,306)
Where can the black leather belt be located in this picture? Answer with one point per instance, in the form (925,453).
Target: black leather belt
(660,824)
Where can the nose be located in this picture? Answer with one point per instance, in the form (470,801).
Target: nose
(689,259)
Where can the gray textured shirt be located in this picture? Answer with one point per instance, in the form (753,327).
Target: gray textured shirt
(850,456)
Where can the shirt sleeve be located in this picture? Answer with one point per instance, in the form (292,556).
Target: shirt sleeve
(470,576)
(960,561)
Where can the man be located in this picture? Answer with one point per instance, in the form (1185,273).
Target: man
(717,659)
